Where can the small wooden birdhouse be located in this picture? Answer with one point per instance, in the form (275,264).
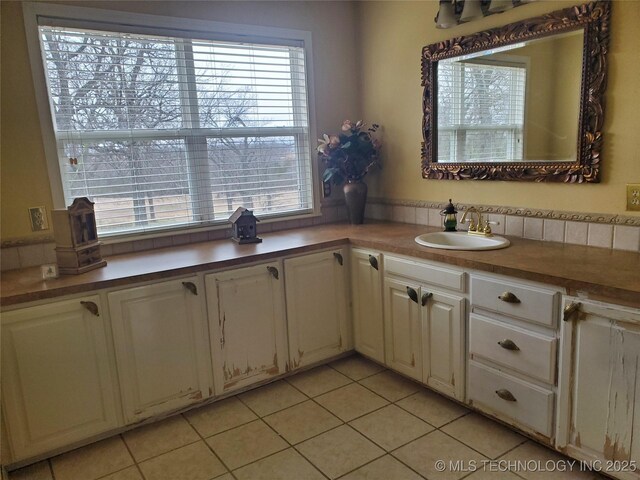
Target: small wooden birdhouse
(76,236)
(244,226)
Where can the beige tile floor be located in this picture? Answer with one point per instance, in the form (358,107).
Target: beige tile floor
(351,419)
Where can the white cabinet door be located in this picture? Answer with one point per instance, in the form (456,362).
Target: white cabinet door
(366,297)
(317,306)
(402,327)
(247,325)
(58,382)
(443,342)
(599,409)
(162,346)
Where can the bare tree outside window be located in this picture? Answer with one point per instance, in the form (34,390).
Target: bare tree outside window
(480,111)
(173,131)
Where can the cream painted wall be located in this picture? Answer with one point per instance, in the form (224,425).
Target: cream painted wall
(367,65)
(392,34)
(24,176)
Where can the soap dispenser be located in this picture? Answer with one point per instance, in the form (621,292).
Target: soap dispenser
(450,219)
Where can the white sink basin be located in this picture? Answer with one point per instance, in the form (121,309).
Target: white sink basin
(461,241)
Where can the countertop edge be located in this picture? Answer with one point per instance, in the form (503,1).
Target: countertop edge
(315,238)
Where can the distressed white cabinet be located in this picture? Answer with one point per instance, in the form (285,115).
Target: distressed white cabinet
(247,325)
(316,291)
(162,346)
(599,407)
(424,324)
(443,341)
(403,327)
(513,350)
(58,379)
(366,301)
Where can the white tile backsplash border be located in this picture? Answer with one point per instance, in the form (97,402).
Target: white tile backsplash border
(598,230)
(32,252)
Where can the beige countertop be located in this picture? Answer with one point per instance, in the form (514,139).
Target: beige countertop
(601,273)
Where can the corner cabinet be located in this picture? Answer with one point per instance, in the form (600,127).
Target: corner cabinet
(366,301)
(317,292)
(58,379)
(599,407)
(247,325)
(162,348)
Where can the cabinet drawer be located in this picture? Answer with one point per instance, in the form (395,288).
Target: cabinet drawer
(532,407)
(529,353)
(534,304)
(425,272)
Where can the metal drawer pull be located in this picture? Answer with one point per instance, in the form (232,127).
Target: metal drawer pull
(191,287)
(425,297)
(92,307)
(508,344)
(338,257)
(570,310)
(509,297)
(413,295)
(274,272)
(506,395)
(373,261)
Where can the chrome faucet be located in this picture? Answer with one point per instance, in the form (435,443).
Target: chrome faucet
(480,226)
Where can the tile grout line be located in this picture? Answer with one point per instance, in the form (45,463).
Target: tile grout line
(203,439)
(287,441)
(295,446)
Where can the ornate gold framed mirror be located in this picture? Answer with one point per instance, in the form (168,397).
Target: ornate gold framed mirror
(522,102)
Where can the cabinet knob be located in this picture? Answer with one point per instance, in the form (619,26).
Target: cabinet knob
(508,297)
(570,310)
(274,272)
(92,307)
(505,394)
(373,261)
(425,297)
(413,295)
(191,287)
(508,344)
(338,257)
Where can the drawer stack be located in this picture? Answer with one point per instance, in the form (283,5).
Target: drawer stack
(513,351)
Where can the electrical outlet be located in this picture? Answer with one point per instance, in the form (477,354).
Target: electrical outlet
(633,197)
(326,189)
(38,217)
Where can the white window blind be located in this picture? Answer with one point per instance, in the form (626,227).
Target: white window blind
(480,111)
(162,132)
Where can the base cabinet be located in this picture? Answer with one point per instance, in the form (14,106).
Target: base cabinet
(424,326)
(366,301)
(247,325)
(443,342)
(316,292)
(402,327)
(58,383)
(162,347)
(599,408)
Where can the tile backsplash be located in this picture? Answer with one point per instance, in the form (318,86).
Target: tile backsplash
(17,254)
(606,231)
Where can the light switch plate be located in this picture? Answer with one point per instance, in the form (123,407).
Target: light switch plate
(38,218)
(633,197)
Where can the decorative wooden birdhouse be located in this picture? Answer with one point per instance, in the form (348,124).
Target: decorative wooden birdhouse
(76,236)
(244,226)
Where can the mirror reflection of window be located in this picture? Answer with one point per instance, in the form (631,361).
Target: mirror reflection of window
(481,110)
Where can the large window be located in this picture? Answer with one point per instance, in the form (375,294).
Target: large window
(165,131)
(481,111)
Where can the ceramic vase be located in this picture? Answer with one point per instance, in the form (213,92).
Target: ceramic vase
(355,196)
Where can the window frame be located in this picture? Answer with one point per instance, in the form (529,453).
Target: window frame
(119,21)
(456,142)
